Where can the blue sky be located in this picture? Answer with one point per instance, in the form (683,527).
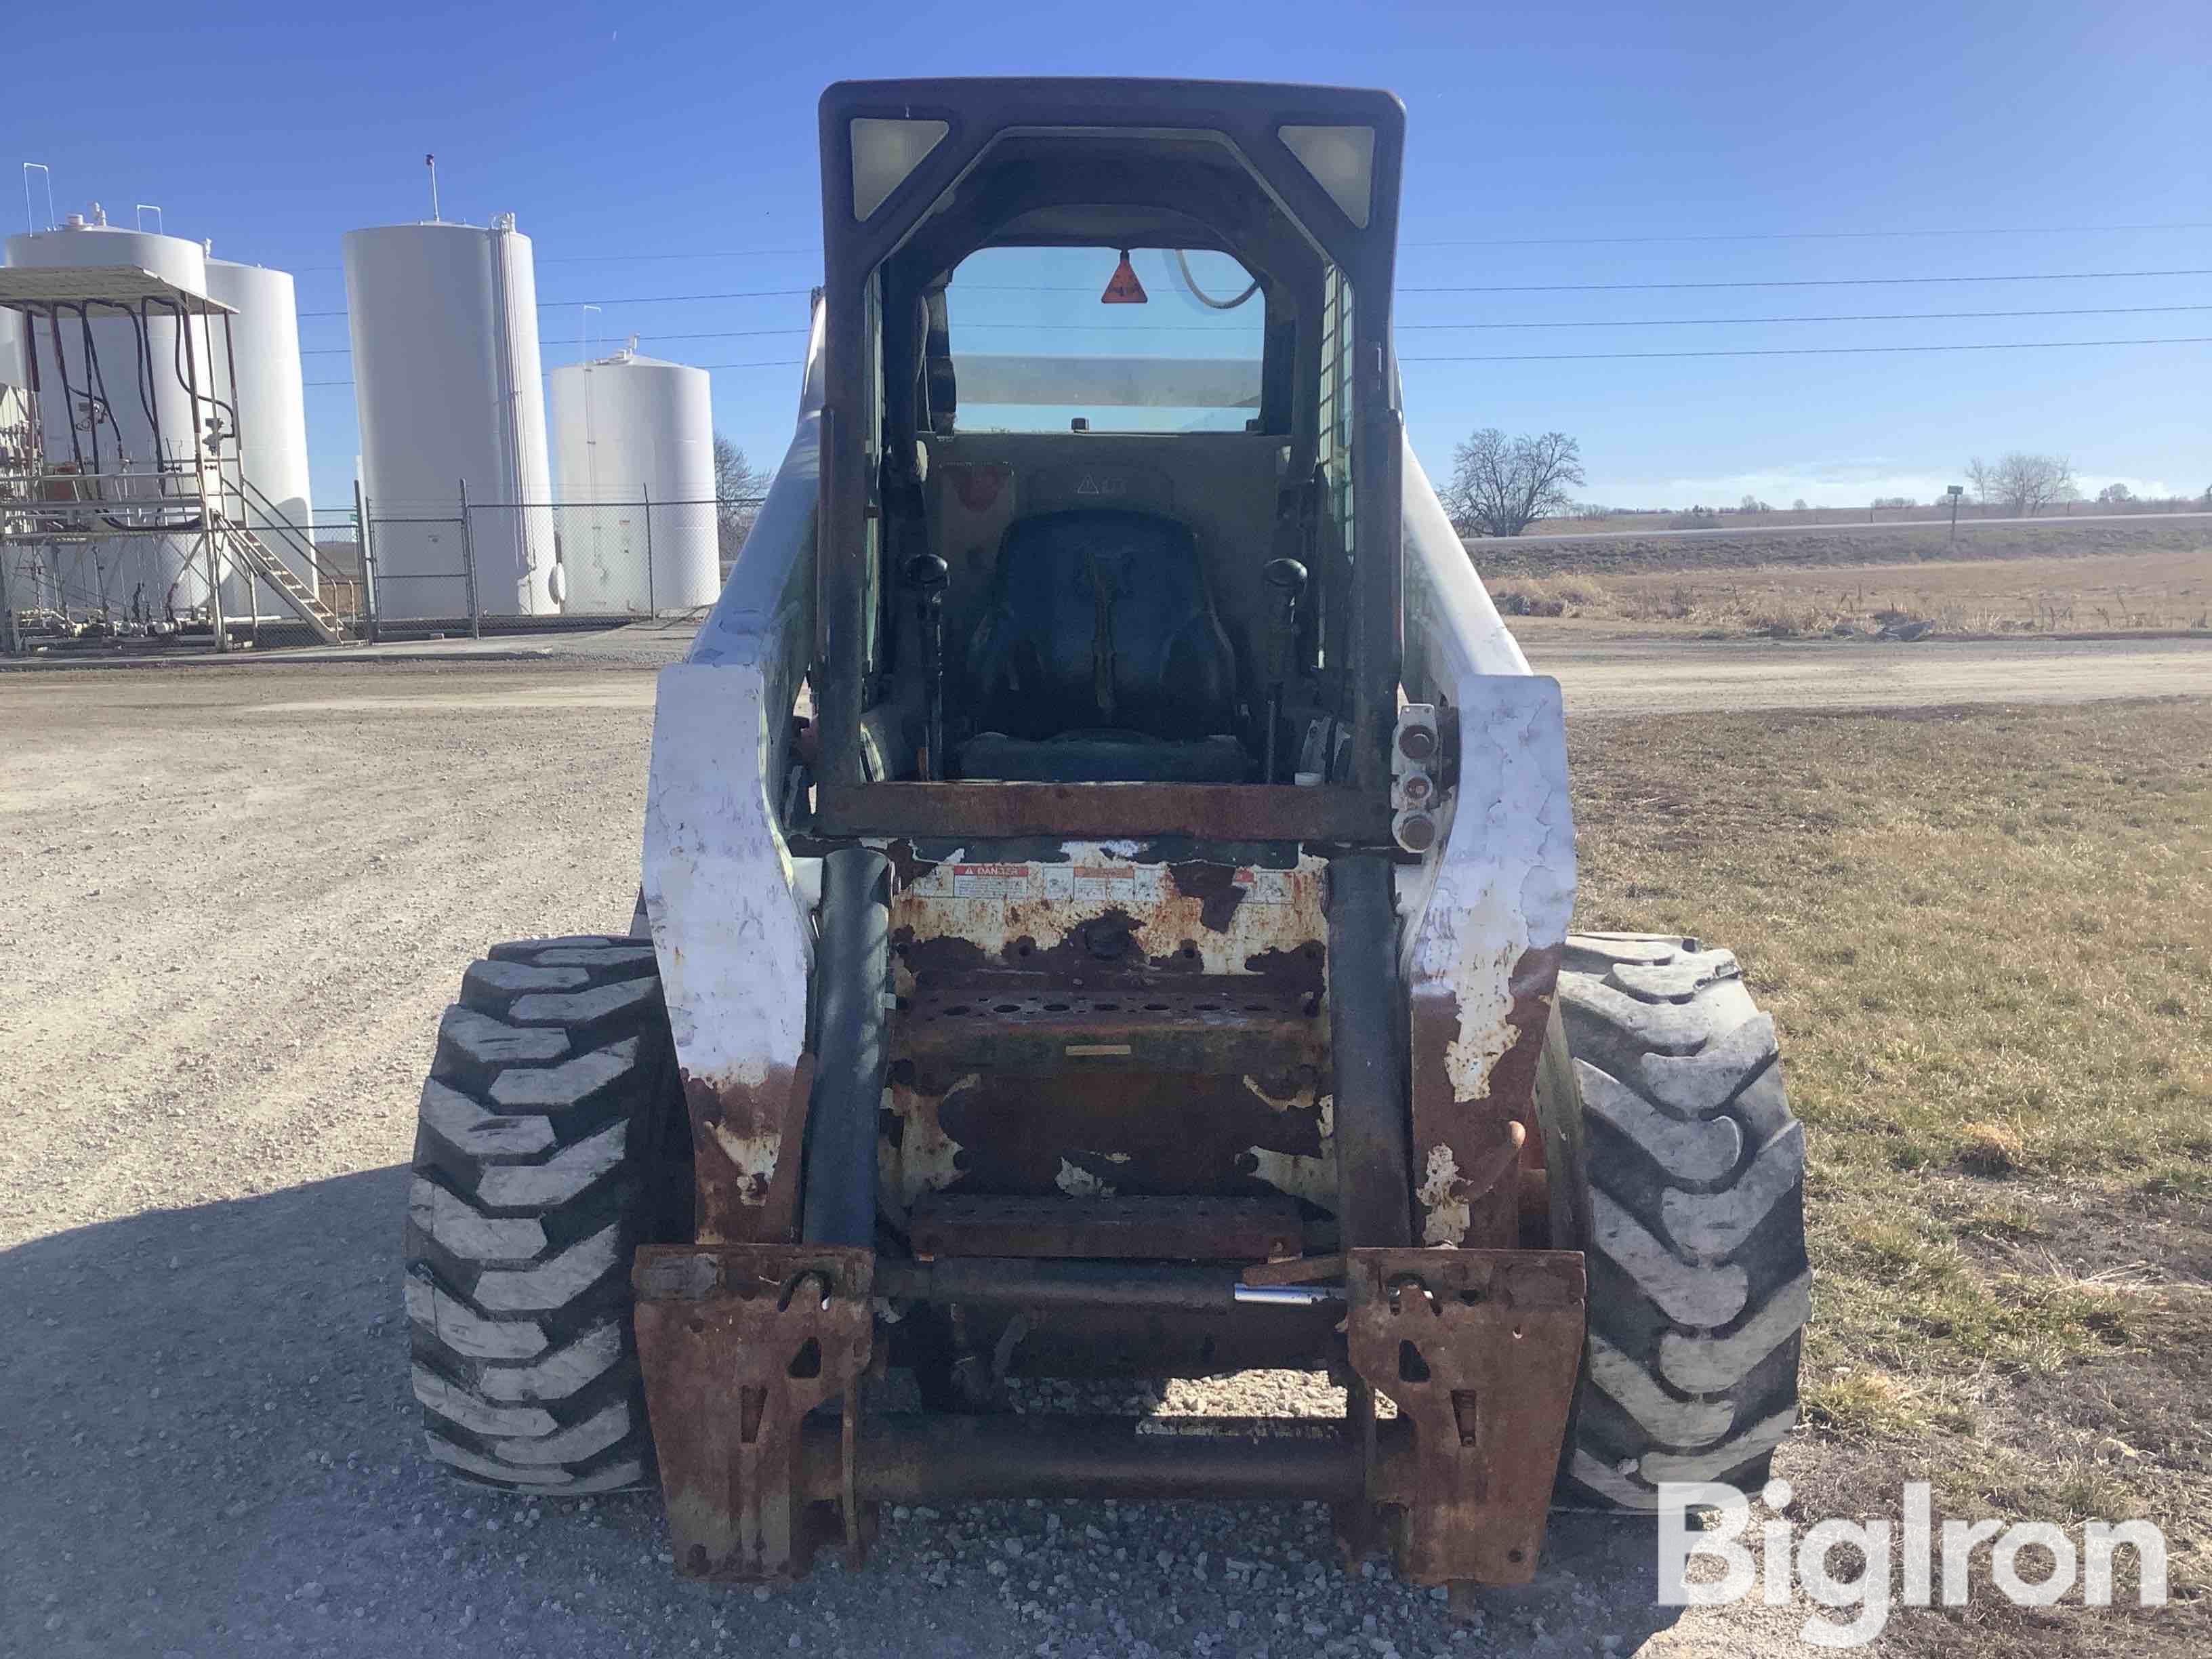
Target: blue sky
(665,151)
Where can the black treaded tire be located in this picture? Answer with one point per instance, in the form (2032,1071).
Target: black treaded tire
(1688,1198)
(550,1143)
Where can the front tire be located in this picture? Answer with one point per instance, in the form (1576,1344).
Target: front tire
(551,1143)
(1687,1170)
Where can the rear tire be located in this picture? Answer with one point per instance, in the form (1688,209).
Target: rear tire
(551,1143)
(1687,1173)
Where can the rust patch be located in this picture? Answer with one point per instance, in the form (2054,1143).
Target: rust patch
(1215,887)
(737,1344)
(978,485)
(748,1191)
(1479,1350)
(1247,812)
(1097,913)
(1001,1022)
(1118,1131)
(1464,1151)
(1303,969)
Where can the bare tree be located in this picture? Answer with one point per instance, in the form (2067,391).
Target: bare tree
(1752,504)
(2022,483)
(738,486)
(2116,494)
(1500,485)
(1798,506)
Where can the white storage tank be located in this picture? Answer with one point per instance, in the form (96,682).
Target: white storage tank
(12,371)
(629,430)
(139,577)
(272,419)
(444,324)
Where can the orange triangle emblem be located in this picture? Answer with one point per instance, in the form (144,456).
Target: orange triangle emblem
(1124,290)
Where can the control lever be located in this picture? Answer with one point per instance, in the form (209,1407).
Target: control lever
(927,574)
(1287,577)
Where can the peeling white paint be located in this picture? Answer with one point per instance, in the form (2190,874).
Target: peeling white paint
(754,1156)
(1293,1173)
(733,945)
(1078,1183)
(1501,881)
(1444,1202)
(1313,1179)
(992,906)
(924,1156)
(722,891)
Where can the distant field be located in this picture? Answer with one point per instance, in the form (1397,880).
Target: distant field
(1785,518)
(2152,590)
(1875,544)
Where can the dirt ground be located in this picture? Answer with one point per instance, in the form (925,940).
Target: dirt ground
(235,902)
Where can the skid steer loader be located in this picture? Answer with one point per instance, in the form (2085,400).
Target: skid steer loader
(1106,882)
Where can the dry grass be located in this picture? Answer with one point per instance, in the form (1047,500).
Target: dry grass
(2158,590)
(1987,939)
(1838,547)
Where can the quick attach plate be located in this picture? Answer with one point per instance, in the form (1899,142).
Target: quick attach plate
(1480,1349)
(739,1343)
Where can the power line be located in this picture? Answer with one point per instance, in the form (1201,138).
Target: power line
(1612,356)
(718,334)
(1514,288)
(643,300)
(1801,282)
(1478,241)
(1799,235)
(1808,352)
(1864,317)
(778,362)
(1626,322)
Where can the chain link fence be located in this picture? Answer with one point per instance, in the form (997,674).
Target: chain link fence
(68,589)
(388,571)
(505,567)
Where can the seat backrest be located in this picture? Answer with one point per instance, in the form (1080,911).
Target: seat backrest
(1100,619)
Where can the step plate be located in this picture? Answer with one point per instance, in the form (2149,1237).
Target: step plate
(1222,1024)
(1121,1228)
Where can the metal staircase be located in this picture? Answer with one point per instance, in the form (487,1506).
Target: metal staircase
(256,556)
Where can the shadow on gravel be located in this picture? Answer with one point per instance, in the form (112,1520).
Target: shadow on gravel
(208,1447)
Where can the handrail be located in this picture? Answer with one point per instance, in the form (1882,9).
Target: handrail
(303,542)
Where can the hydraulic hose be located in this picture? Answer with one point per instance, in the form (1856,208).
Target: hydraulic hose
(852,1051)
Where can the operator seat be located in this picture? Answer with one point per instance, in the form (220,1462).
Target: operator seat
(1098,658)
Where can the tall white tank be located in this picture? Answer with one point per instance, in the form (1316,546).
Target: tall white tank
(444,323)
(628,430)
(143,576)
(272,416)
(12,372)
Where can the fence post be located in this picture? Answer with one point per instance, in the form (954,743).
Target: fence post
(368,566)
(8,645)
(652,595)
(469,565)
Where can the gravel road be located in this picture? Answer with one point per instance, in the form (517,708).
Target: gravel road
(234,901)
